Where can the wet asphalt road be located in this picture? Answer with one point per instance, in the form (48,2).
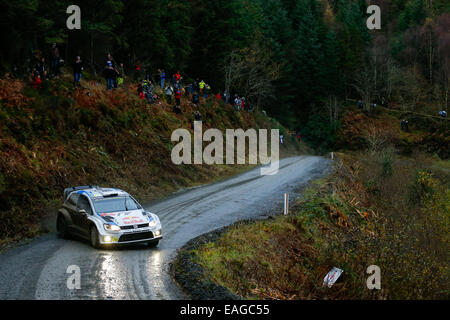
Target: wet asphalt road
(38,270)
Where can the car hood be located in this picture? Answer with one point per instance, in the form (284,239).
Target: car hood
(126,218)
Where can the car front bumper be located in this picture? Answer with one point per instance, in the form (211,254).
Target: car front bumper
(145,235)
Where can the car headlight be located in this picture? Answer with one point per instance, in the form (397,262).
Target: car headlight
(111,227)
(152,223)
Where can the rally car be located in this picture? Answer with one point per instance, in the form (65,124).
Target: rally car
(106,216)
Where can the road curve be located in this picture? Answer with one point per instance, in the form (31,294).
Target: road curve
(39,270)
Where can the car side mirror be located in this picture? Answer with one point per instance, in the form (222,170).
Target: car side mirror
(82,211)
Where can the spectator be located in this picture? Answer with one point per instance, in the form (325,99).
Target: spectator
(177,109)
(37,81)
(40,68)
(201,85)
(162,76)
(54,60)
(360,104)
(225,97)
(243,103)
(237,103)
(169,93)
(195,98)
(206,90)
(114,72)
(110,74)
(197,117)
(404,125)
(137,71)
(148,89)
(218,96)
(196,86)
(178,96)
(177,76)
(121,75)
(188,90)
(77,70)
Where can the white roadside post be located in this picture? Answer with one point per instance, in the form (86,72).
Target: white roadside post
(332,155)
(286,204)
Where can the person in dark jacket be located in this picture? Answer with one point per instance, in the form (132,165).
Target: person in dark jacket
(54,60)
(121,75)
(404,125)
(360,104)
(162,76)
(177,109)
(195,98)
(109,58)
(110,74)
(77,70)
(197,117)
(196,85)
(40,68)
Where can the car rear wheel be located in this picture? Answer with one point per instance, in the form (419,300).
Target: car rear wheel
(61,227)
(153,244)
(95,242)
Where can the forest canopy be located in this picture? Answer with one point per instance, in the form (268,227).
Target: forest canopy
(300,54)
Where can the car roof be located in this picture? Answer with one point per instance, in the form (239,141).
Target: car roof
(96,193)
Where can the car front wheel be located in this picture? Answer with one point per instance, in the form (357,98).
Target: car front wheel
(61,227)
(95,242)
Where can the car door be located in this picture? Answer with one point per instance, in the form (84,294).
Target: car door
(81,219)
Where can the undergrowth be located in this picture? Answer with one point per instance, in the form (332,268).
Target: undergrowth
(362,215)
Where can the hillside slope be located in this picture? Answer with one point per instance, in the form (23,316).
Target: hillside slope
(57,137)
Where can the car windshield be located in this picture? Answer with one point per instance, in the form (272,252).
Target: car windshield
(115,204)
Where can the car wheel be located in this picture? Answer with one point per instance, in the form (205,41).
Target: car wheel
(95,242)
(61,227)
(153,244)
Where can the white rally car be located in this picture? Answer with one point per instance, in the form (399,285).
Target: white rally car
(106,216)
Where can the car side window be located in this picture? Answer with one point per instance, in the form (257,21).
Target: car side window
(73,199)
(83,204)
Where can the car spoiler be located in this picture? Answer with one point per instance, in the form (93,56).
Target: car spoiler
(67,191)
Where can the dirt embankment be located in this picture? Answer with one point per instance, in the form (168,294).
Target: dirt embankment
(57,137)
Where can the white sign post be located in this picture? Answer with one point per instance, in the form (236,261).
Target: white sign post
(286,204)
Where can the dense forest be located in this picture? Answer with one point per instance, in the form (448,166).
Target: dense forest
(297,59)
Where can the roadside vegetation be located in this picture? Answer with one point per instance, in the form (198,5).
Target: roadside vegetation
(371,211)
(386,204)
(57,137)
